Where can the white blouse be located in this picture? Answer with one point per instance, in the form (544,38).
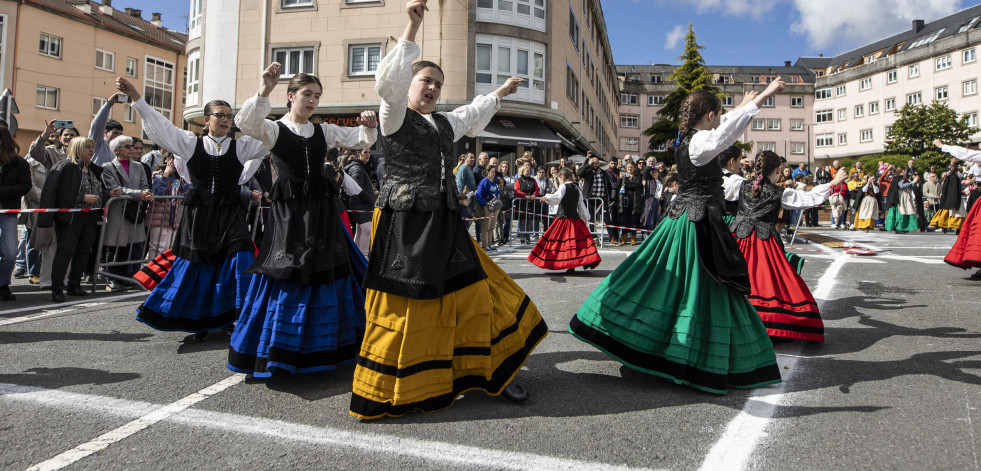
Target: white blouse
(798,199)
(706,144)
(182,143)
(555,198)
(962,153)
(252,121)
(731,184)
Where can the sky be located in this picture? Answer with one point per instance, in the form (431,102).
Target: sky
(174,12)
(758,32)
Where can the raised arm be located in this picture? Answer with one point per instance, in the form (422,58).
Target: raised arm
(97,132)
(705,145)
(251,119)
(351,137)
(959,152)
(554,198)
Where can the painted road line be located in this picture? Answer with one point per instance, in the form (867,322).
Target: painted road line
(735,448)
(103,441)
(54,312)
(378,444)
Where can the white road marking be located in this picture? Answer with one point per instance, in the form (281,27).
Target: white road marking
(89,301)
(54,312)
(162,413)
(744,432)
(379,444)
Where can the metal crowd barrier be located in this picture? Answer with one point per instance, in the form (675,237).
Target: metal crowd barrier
(530,219)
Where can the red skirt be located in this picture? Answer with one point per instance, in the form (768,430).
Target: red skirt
(966,252)
(566,244)
(779,294)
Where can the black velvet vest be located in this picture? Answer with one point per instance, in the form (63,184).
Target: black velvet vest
(757,213)
(412,158)
(569,205)
(214,178)
(698,187)
(299,165)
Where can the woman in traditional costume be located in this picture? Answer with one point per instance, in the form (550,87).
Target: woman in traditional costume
(567,243)
(966,252)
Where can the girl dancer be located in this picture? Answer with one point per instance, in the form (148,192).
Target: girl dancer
(677,307)
(868,207)
(966,252)
(732,178)
(304,310)
(901,216)
(206,284)
(950,216)
(567,243)
(442,317)
(779,294)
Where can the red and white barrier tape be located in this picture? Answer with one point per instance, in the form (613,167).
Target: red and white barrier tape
(48,210)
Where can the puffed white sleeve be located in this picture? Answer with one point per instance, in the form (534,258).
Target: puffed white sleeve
(392,80)
(731,187)
(796,199)
(359,137)
(181,143)
(470,120)
(962,153)
(350,186)
(251,119)
(555,197)
(250,152)
(707,144)
(583,212)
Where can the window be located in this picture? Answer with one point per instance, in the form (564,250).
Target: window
(796,147)
(193,76)
(859,111)
(773,124)
(131,66)
(822,93)
(940,93)
(524,13)
(873,107)
(823,116)
(297,3)
(914,98)
(723,79)
(630,144)
(727,101)
(944,62)
(865,84)
(573,28)
(840,90)
(759,124)
(656,78)
(194,20)
(50,46)
(756,79)
(364,59)
(794,79)
(294,61)
(47,97)
(654,100)
(571,85)
(796,102)
(628,98)
(769,79)
(914,71)
(768,103)
(970,87)
(969,24)
(629,121)
(158,85)
(865,135)
(890,104)
(770,146)
(842,139)
(842,114)
(971,119)
(968,56)
(889,132)
(105,60)
(128,112)
(892,76)
(501,57)
(797,125)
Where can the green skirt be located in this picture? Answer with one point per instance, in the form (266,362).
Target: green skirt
(661,313)
(901,222)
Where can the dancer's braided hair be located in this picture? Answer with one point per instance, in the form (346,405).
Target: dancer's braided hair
(766,162)
(696,105)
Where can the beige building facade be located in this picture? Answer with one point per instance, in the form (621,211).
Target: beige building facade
(60,58)
(566,106)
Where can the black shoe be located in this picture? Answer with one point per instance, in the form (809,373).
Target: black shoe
(201,336)
(515,393)
(20,273)
(976,275)
(76,290)
(5,294)
(570,270)
(57,295)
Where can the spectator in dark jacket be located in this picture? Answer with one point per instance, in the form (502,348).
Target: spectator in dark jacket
(526,187)
(597,187)
(73,183)
(631,201)
(362,204)
(15,182)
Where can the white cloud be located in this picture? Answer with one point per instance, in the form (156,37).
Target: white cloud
(831,22)
(674,37)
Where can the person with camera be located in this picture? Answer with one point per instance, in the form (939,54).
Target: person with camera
(598,185)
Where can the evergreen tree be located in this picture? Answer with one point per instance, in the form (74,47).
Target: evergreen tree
(917,126)
(690,76)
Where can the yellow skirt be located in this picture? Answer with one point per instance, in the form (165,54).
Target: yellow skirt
(421,354)
(944,219)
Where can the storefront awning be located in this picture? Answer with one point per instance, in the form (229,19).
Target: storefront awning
(519,131)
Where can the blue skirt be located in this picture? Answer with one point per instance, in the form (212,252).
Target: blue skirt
(300,329)
(195,297)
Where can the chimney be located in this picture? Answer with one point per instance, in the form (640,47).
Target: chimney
(917,26)
(106,7)
(84,6)
(786,63)
(134,12)
(820,55)
(157,21)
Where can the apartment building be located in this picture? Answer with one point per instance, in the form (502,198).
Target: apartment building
(781,125)
(858,93)
(60,58)
(566,106)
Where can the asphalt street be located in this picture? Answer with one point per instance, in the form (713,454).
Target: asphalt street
(895,386)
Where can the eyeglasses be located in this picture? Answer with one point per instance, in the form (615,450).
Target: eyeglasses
(222,116)
(127,147)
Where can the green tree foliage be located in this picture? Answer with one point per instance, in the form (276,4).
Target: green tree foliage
(917,126)
(690,76)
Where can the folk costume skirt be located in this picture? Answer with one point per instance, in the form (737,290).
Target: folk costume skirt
(947,219)
(566,244)
(196,297)
(662,313)
(780,296)
(422,352)
(966,252)
(867,212)
(896,221)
